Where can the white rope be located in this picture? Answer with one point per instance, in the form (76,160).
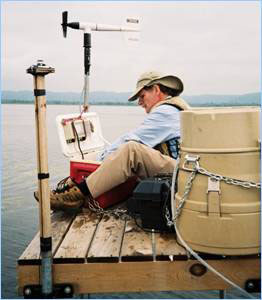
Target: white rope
(191,251)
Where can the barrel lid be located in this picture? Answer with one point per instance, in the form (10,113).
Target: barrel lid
(227,129)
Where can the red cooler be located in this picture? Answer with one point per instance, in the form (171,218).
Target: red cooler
(79,170)
(81,140)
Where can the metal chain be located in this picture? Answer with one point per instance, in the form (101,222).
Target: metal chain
(117,212)
(95,207)
(197,169)
(228,180)
(188,187)
(169,223)
(67,183)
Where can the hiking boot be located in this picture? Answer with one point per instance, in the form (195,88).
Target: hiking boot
(66,196)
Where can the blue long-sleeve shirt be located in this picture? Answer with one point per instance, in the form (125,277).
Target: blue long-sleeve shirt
(160,125)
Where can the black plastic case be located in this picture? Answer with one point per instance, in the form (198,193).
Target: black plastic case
(148,202)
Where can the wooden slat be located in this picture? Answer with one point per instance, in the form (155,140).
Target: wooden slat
(77,241)
(42,158)
(137,244)
(106,244)
(32,252)
(144,276)
(60,226)
(166,247)
(60,223)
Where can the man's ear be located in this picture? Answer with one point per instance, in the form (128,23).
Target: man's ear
(158,92)
(157,89)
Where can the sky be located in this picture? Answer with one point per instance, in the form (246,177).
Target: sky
(213,46)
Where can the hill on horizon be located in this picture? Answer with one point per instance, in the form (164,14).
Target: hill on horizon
(114,98)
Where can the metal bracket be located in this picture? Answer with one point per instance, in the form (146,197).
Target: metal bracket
(40,69)
(189,160)
(253,285)
(213,201)
(62,291)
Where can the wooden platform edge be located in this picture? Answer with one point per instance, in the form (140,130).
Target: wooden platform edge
(143,276)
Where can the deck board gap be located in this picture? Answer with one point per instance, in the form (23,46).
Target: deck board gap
(122,239)
(59,224)
(137,243)
(93,237)
(77,240)
(106,244)
(153,238)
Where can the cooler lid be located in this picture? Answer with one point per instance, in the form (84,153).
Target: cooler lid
(79,134)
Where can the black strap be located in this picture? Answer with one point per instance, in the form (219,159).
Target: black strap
(46,244)
(176,106)
(38,92)
(43,176)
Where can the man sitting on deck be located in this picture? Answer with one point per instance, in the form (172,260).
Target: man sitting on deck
(150,149)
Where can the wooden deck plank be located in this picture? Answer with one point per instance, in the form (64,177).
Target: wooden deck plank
(144,276)
(60,222)
(106,244)
(166,247)
(77,241)
(137,244)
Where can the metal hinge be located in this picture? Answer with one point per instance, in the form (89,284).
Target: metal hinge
(62,291)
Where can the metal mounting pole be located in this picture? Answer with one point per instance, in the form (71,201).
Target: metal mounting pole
(39,71)
(87,54)
(222,294)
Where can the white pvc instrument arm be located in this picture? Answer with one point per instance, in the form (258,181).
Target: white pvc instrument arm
(88,27)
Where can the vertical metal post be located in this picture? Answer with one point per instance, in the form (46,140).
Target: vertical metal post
(87,54)
(39,71)
(222,294)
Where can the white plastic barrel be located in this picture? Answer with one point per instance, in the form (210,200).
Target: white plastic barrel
(217,217)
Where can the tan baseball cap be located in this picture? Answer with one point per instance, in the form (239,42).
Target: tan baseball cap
(152,77)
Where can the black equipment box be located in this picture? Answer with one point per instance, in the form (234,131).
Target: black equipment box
(149,201)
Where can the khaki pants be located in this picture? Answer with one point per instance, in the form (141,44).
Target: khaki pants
(131,159)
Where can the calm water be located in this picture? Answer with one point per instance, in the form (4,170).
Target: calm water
(19,209)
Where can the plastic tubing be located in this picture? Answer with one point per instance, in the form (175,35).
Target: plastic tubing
(191,251)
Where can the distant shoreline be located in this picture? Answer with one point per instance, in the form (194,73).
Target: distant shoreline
(217,103)
(121,98)
(3,101)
